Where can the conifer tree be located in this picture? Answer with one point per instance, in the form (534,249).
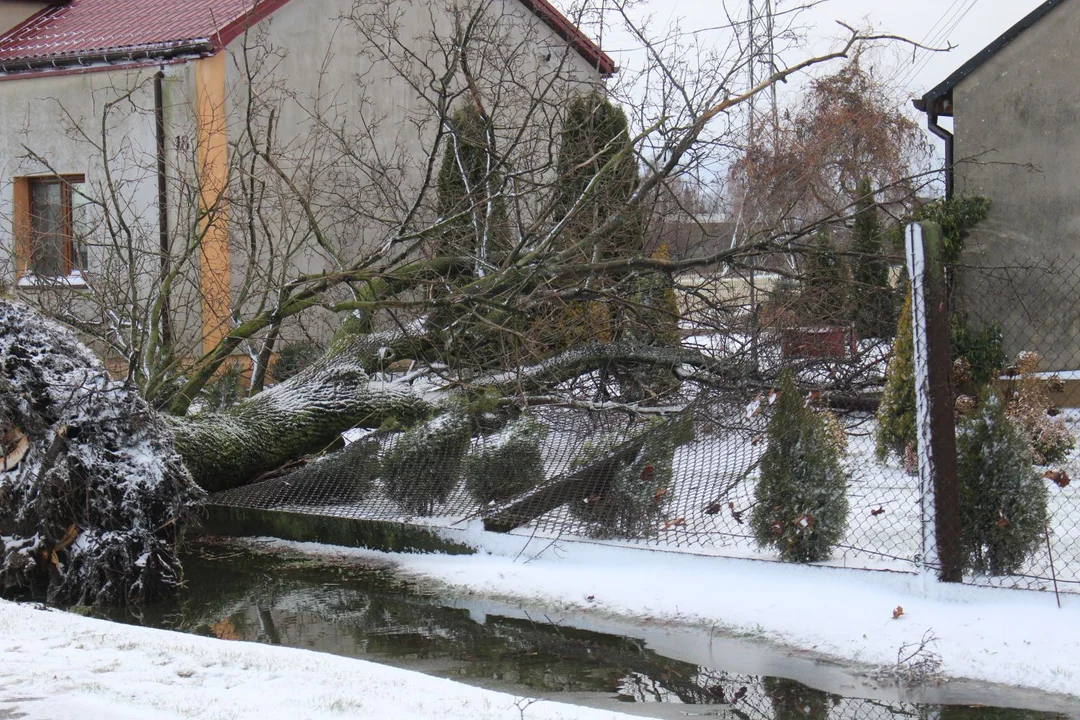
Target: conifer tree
(595,140)
(825,282)
(896,413)
(464,188)
(1003,499)
(801,504)
(871,294)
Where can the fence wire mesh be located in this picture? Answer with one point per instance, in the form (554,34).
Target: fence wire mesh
(692,480)
(681,481)
(1020,325)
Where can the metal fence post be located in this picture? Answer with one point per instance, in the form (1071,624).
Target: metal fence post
(936,431)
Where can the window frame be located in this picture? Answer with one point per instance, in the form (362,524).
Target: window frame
(24,232)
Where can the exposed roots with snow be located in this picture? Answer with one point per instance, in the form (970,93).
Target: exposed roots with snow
(91,489)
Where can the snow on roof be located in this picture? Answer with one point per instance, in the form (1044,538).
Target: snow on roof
(82,30)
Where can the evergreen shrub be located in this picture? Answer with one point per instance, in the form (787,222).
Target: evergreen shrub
(801,504)
(640,487)
(979,347)
(1003,499)
(421,468)
(507,463)
(896,413)
(871,299)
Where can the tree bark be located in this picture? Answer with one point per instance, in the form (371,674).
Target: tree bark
(307,413)
(304,415)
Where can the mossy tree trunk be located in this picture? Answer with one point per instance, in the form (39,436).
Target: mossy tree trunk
(307,413)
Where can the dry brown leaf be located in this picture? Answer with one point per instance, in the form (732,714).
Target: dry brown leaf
(224,630)
(1060,477)
(70,536)
(897,612)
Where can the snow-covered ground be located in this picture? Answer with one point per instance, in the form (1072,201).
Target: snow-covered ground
(59,665)
(994,635)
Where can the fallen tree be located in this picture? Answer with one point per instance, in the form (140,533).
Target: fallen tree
(531,281)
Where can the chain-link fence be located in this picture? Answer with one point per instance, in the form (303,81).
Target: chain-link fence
(1020,325)
(685,480)
(701,478)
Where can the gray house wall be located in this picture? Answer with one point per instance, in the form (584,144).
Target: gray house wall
(318,62)
(54,124)
(1017,142)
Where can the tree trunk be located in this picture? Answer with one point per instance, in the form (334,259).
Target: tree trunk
(304,415)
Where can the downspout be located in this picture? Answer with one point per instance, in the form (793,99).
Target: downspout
(932,126)
(163,203)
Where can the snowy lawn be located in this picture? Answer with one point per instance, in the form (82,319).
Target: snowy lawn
(59,665)
(995,635)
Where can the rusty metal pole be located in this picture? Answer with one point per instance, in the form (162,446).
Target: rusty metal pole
(935,401)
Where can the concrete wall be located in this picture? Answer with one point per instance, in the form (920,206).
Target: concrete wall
(1017,142)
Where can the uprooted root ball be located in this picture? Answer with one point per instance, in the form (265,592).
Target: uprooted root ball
(91,501)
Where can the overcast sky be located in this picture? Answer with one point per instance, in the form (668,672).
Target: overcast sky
(970,25)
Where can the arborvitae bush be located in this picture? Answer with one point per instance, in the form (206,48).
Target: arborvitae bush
(466,177)
(507,463)
(595,137)
(1002,498)
(896,414)
(823,300)
(595,153)
(801,504)
(871,299)
(979,347)
(421,468)
(653,319)
(640,488)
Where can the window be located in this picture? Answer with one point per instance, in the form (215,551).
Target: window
(47,244)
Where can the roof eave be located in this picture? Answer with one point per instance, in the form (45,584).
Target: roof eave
(112,57)
(931,98)
(572,34)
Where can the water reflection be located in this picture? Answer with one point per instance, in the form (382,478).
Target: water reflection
(234,593)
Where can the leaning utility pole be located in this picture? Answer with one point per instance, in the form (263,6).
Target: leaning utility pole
(762,65)
(762,54)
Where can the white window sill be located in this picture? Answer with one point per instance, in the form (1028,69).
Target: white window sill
(75,280)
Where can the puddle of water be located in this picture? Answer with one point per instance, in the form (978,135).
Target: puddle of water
(234,592)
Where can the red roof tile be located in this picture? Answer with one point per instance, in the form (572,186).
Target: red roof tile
(85,28)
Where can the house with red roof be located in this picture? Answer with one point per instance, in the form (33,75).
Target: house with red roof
(162,161)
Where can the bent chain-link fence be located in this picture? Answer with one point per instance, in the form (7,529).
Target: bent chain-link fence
(689,482)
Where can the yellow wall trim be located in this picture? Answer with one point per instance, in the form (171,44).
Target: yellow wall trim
(211,136)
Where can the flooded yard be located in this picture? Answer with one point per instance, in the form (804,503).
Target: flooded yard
(234,591)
